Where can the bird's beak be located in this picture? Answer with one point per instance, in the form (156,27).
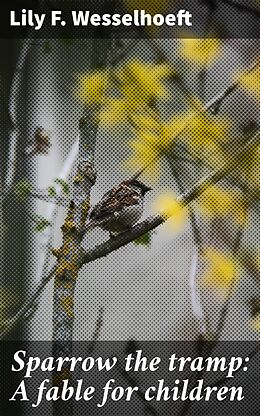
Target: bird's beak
(146,189)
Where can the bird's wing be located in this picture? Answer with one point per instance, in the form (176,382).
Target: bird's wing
(114,201)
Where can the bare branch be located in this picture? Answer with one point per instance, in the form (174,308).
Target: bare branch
(215,103)
(95,336)
(13,110)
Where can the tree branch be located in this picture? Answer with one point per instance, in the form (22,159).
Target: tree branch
(14,91)
(69,254)
(154,221)
(138,230)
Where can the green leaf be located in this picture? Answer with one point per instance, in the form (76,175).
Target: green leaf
(23,189)
(144,240)
(63,184)
(41,223)
(52,191)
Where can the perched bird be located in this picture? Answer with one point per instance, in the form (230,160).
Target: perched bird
(120,208)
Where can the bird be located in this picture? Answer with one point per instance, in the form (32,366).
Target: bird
(120,208)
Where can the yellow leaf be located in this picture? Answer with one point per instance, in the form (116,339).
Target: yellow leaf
(250,82)
(200,51)
(144,156)
(113,113)
(170,209)
(255,323)
(91,87)
(219,202)
(222,269)
(204,129)
(143,81)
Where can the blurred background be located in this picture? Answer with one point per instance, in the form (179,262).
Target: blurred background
(137,292)
(136,285)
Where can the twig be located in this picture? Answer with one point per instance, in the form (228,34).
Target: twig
(47,236)
(243,7)
(213,105)
(14,91)
(19,316)
(226,305)
(96,333)
(148,224)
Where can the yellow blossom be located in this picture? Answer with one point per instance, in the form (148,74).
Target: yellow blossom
(200,51)
(222,268)
(250,82)
(255,323)
(145,121)
(170,209)
(114,112)
(144,156)
(91,87)
(151,144)
(142,81)
(172,128)
(204,129)
(250,171)
(219,202)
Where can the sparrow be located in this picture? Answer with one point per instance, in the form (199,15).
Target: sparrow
(120,208)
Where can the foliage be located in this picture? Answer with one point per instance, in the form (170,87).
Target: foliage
(41,223)
(219,202)
(200,51)
(144,240)
(250,82)
(63,184)
(170,209)
(23,189)
(222,268)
